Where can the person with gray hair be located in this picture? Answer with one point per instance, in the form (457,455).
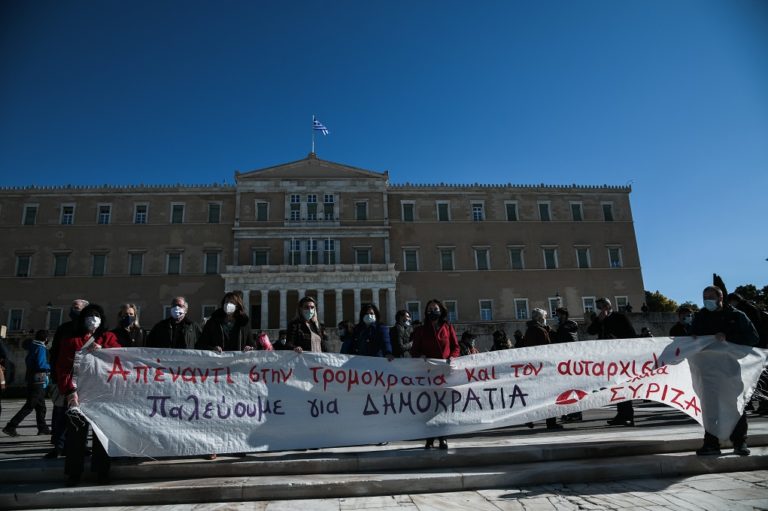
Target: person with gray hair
(176,331)
(609,324)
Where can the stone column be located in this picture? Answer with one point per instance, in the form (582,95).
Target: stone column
(375,296)
(391,305)
(264,309)
(321,305)
(339,306)
(283,311)
(302,293)
(357,305)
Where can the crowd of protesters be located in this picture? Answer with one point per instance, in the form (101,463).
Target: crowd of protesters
(730,318)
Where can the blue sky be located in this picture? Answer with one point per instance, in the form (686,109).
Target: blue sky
(670,96)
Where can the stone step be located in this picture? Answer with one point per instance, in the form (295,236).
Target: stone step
(378,482)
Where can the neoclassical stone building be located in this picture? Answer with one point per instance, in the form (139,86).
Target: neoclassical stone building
(342,234)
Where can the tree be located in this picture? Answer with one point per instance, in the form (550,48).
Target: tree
(657,302)
(752,293)
(690,305)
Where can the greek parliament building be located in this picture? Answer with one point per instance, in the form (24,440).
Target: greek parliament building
(342,234)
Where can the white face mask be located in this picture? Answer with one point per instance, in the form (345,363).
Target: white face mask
(407,323)
(92,323)
(688,320)
(710,305)
(308,314)
(230,308)
(369,319)
(177,312)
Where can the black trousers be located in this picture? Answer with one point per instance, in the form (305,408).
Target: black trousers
(77,439)
(59,427)
(35,401)
(738,435)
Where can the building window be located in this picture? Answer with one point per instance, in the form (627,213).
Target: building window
(262,211)
(446,259)
(312,251)
(140,213)
(582,257)
(60,262)
(214,213)
(516,258)
(329,252)
(362,256)
(136,263)
(614,257)
(482,259)
(328,205)
(30,214)
(443,211)
(260,257)
(361,210)
(98,265)
(486,310)
(23,265)
(588,303)
(550,258)
(408,211)
(554,303)
(15,319)
(177,213)
(411,259)
(173,263)
(608,211)
(576,212)
(511,208)
(414,309)
(453,310)
(54,318)
(67,214)
(295,207)
(294,252)
(478,213)
(621,303)
(104,215)
(521,308)
(544,214)
(211,263)
(312,208)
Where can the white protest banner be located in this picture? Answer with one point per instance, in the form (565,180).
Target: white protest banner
(159,402)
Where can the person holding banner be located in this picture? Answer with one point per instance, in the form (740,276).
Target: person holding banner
(400,334)
(537,334)
(228,329)
(730,325)
(176,331)
(608,324)
(684,321)
(90,333)
(128,332)
(371,337)
(305,332)
(436,338)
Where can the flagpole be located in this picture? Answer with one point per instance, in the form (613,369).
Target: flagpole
(313,134)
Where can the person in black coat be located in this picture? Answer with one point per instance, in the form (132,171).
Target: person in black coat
(371,336)
(567,329)
(306,332)
(176,331)
(731,325)
(229,327)
(608,324)
(684,321)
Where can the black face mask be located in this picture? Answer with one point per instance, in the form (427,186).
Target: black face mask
(432,315)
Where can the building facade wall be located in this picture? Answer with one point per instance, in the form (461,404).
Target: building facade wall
(85,242)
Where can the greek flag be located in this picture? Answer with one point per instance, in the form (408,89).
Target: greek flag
(319,126)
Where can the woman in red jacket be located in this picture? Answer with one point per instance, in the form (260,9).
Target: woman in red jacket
(90,333)
(435,338)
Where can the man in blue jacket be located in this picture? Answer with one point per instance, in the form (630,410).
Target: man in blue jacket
(38,370)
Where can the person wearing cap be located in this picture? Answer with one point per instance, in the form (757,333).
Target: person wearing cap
(305,332)
(609,324)
(177,330)
(567,329)
(684,321)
